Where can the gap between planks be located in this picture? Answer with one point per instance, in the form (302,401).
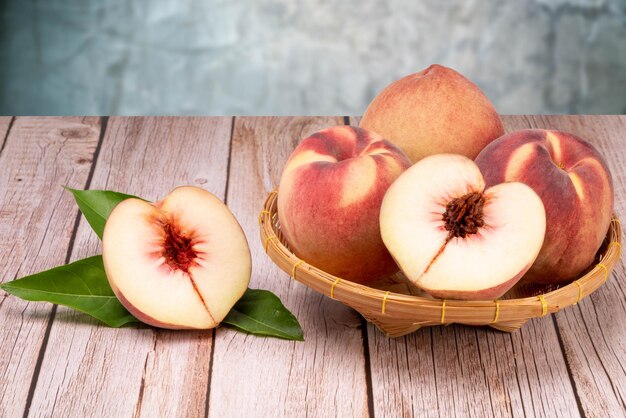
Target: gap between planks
(366,349)
(6,135)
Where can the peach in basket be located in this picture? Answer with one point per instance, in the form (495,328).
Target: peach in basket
(331,191)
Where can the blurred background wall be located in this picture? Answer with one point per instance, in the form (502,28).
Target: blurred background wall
(286,57)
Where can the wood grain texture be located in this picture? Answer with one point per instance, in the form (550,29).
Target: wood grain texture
(36,221)
(252,376)
(574,363)
(92,370)
(463,371)
(592,332)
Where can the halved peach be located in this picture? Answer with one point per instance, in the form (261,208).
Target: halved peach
(453,238)
(182,262)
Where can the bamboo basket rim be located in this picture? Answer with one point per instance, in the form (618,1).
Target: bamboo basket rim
(398,314)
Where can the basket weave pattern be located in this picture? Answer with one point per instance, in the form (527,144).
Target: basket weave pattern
(398,314)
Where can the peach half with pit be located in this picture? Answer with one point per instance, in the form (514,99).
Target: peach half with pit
(456,239)
(180,263)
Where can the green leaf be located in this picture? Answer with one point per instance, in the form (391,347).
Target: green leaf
(97,205)
(81,285)
(261,312)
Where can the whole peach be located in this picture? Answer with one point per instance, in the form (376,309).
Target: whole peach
(576,188)
(329,201)
(434,111)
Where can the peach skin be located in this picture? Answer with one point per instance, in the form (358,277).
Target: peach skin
(329,201)
(434,111)
(575,186)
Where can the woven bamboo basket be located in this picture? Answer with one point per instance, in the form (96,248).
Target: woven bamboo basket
(397,313)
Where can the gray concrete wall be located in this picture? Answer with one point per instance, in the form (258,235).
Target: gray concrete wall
(304,57)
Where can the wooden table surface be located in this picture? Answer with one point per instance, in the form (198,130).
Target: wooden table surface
(57,362)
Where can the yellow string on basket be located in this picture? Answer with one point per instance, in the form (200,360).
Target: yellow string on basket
(616,220)
(619,247)
(264,212)
(385,301)
(544,305)
(295,266)
(443,311)
(268,239)
(606,271)
(332,288)
(497,314)
(273,192)
(580,291)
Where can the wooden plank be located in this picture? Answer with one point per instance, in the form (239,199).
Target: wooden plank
(459,370)
(592,332)
(92,370)
(323,376)
(36,221)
